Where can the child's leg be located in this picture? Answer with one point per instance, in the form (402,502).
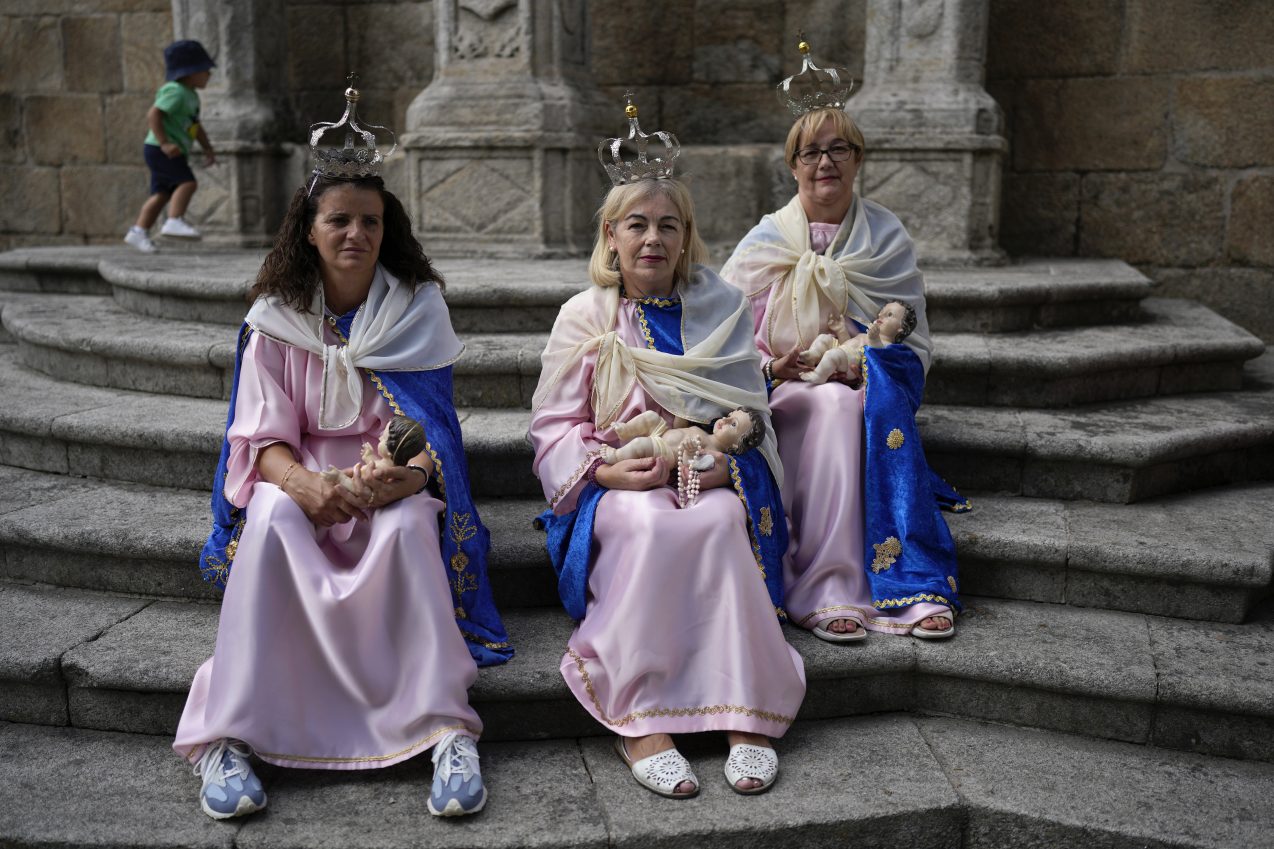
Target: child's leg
(151,209)
(181,198)
(823,343)
(833,361)
(641,425)
(642,446)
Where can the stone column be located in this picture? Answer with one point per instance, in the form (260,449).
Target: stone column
(244,110)
(934,136)
(501,146)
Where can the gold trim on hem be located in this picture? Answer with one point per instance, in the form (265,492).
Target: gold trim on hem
(862,611)
(710,710)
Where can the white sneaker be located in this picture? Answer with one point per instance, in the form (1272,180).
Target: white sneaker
(137,237)
(179,228)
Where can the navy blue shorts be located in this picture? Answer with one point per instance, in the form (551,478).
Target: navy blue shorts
(166,174)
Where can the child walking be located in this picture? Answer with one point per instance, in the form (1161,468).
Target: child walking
(174,121)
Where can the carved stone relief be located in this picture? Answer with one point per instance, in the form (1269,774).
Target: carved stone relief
(921,18)
(479,197)
(487,29)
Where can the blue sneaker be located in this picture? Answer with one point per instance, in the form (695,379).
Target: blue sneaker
(230,787)
(457,788)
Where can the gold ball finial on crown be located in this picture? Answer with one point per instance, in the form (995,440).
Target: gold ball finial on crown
(351,93)
(817,88)
(802,45)
(347,149)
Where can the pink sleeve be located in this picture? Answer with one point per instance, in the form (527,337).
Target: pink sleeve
(562,434)
(760,302)
(264,413)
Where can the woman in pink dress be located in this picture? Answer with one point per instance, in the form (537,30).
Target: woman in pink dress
(678,618)
(356,613)
(831,253)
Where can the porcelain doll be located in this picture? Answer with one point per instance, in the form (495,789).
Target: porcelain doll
(831,354)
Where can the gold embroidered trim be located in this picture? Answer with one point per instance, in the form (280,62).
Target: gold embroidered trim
(368,758)
(645,328)
(951,581)
(710,710)
(570,482)
(895,439)
(767,522)
(903,602)
(747,514)
(861,611)
(220,569)
(653,301)
(887,554)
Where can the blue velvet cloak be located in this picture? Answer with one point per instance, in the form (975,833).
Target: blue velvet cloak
(570,536)
(463,539)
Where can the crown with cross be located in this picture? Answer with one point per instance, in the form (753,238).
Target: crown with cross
(813,87)
(623,171)
(346,150)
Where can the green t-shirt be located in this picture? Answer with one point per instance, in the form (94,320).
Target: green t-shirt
(180,106)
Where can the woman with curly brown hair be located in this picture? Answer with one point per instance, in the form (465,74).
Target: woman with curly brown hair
(351,627)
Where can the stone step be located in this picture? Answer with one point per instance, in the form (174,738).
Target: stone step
(1203,555)
(1180,346)
(492,295)
(122,663)
(947,783)
(1114,452)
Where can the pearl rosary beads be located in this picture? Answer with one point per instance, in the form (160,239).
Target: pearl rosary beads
(687,474)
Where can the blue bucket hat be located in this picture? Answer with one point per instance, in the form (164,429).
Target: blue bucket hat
(186,57)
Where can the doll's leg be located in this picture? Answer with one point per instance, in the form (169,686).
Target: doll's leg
(833,361)
(642,425)
(642,446)
(822,344)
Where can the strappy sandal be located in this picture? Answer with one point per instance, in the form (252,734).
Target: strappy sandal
(748,761)
(859,633)
(661,772)
(934,633)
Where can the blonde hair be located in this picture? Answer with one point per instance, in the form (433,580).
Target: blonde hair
(603,267)
(811,122)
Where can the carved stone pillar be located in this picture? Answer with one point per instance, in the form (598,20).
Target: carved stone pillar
(934,136)
(501,146)
(242,199)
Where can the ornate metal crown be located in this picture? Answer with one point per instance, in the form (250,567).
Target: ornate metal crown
(816,88)
(347,150)
(622,171)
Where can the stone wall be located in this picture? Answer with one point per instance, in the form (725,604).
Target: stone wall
(76,79)
(1142,130)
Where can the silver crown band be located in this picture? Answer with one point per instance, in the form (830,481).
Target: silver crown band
(623,171)
(346,150)
(828,87)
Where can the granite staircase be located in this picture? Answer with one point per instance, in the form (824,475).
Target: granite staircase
(1110,684)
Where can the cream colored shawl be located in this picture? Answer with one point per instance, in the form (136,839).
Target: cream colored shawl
(719,371)
(870,262)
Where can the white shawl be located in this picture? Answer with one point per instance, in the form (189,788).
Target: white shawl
(719,371)
(870,262)
(396,329)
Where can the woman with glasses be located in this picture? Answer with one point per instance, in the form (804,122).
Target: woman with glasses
(829,253)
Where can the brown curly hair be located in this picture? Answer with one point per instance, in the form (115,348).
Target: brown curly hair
(291,269)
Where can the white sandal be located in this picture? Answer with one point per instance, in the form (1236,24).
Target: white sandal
(748,761)
(859,633)
(935,633)
(661,772)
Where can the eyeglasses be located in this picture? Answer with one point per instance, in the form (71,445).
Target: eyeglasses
(838,152)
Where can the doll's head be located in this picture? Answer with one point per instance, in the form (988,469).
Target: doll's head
(402,439)
(896,321)
(740,430)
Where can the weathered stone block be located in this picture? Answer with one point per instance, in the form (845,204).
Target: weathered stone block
(1243,295)
(12,139)
(143,36)
(32,203)
(125,122)
(741,43)
(1188,35)
(1091,124)
(1251,236)
(30,53)
(731,186)
(391,44)
(91,52)
(316,47)
(836,29)
(1226,121)
(1160,219)
(102,200)
(1031,39)
(64,128)
(1040,214)
(723,114)
(666,52)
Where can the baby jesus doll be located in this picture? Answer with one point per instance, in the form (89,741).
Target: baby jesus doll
(648,435)
(832,354)
(402,439)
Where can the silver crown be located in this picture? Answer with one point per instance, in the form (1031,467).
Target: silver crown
(817,88)
(622,171)
(347,150)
